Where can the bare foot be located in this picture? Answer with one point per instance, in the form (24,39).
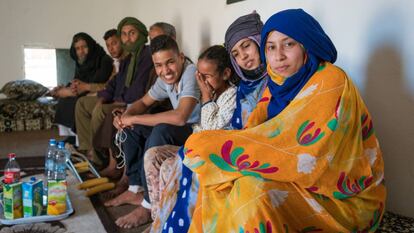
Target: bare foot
(111,171)
(94,159)
(120,187)
(137,217)
(126,197)
(90,156)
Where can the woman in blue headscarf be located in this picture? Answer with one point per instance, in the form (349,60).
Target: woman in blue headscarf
(308,159)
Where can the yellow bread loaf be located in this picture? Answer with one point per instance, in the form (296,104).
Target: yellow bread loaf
(99,188)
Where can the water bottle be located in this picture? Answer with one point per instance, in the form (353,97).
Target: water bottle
(49,163)
(60,162)
(12,170)
(49,167)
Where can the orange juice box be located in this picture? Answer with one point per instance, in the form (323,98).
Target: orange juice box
(32,197)
(56,197)
(12,200)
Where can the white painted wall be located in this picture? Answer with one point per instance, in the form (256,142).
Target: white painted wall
(373,39)
(51,23)
(356,27)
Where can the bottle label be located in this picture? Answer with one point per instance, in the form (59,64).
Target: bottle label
(11,176)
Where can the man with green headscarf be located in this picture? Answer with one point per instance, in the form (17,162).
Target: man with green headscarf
(134,36)
(133,79)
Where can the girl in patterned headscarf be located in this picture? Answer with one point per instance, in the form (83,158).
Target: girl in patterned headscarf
(242,41)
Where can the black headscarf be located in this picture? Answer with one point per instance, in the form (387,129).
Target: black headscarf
(86,71)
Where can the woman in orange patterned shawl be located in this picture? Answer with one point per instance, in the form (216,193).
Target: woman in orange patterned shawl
(308,160)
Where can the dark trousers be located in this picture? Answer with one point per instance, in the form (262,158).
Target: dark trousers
(104,139)
(141,138)
(65,112)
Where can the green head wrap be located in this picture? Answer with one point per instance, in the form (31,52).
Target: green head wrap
(135,48)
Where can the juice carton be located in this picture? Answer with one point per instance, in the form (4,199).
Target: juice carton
(12,200)
(32,197)
(56,200)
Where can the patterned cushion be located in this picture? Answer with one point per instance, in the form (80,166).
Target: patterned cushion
(23,90)
(16,115)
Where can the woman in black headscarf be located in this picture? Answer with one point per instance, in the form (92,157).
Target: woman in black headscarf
(93,66)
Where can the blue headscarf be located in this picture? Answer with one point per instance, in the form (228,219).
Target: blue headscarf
(303,28)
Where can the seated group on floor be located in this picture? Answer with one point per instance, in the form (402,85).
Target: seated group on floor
(263,134)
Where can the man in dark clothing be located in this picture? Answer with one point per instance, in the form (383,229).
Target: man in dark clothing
(89,111)
(103,139)
(116,89)
(93,66)
(125,88)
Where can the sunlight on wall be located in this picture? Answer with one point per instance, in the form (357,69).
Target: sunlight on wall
(40,66)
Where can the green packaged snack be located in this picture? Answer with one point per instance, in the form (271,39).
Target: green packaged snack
(12,200)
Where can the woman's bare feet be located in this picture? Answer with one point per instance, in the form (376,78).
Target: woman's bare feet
(137,217)
(126,197)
